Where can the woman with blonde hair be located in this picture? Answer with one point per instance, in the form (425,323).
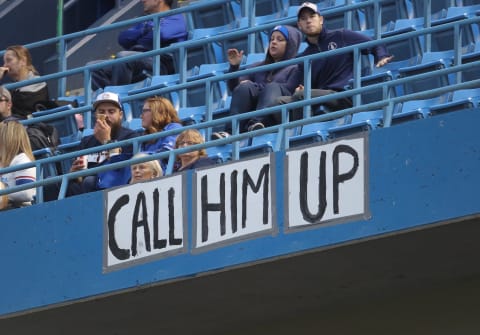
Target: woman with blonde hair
(191,159)
(15,149)
(146,170)
(158,114)
(17,64)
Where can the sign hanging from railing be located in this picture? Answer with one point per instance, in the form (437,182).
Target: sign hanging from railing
(324,184)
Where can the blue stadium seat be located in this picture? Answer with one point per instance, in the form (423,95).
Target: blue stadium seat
(131,108)
(210,16)
(461,99)
(431,82)
(220,153)
(66,125)
(363,121)
(46,170)
(196,95)
(192,115)
(405,51)
(438,7)
(416,109)
(473,73)
(445,39)
(315,132)
(378,94)
(261,144)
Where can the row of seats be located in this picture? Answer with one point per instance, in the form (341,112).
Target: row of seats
(405,65)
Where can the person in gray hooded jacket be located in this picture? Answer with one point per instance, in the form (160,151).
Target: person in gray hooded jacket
(260,89)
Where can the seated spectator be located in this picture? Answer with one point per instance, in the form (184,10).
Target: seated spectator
(5,105)
(191,159)
(108,128)
(139,38)
(332,74)
(260,89)
(146,170)
(15,150)
(158,114)
(17,65)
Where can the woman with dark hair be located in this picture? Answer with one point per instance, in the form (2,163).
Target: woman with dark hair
(17,65)
(260,89)
(158,114)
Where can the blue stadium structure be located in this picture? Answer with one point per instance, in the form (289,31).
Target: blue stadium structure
(360,221)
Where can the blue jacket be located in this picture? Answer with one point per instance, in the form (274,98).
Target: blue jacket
(140,37)
(165,143)
(288,75)
(334,72)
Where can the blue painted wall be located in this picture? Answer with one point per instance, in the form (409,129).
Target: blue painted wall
(421,173)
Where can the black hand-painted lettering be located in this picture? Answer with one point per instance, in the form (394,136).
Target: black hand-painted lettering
(157,244)
(340,178)
(143,222)
(322,188)
(263,180)
(120,254)
(171,219)
(233,201)
(206,207)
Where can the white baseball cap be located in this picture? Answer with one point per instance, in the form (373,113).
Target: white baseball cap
(107,97)
(313,7)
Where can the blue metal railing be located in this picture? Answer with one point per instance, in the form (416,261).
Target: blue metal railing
(236,137)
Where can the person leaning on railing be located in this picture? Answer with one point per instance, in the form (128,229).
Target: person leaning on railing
(330,74)
(191,159)
(139,38)
(17,65)
(15,150)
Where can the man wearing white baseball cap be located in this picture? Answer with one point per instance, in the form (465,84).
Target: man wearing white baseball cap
(330,74)
(108,128)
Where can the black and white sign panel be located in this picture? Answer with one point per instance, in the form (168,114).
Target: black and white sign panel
(233,201)
(144,220)
(326,182)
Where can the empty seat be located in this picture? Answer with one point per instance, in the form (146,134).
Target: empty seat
(473,73)
(315,132)
(220,153)
(210,16)
(362,121)
(261,144)
(407,50)
(446,39)
(131,108)
(433,81)
(461,99)
(66,124)
(192,115)
(416,109)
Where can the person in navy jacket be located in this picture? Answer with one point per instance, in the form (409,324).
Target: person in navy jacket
(139,38)
(260,89)
(330,74)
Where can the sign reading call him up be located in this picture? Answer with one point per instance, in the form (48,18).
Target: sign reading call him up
(229,202)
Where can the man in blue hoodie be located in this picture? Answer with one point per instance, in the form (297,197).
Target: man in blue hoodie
(139,38)
(330,74)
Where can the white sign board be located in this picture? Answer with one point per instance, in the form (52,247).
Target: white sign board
(326,182)
(144,220)
(232,201)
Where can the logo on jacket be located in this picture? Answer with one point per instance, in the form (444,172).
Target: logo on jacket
(332,46)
